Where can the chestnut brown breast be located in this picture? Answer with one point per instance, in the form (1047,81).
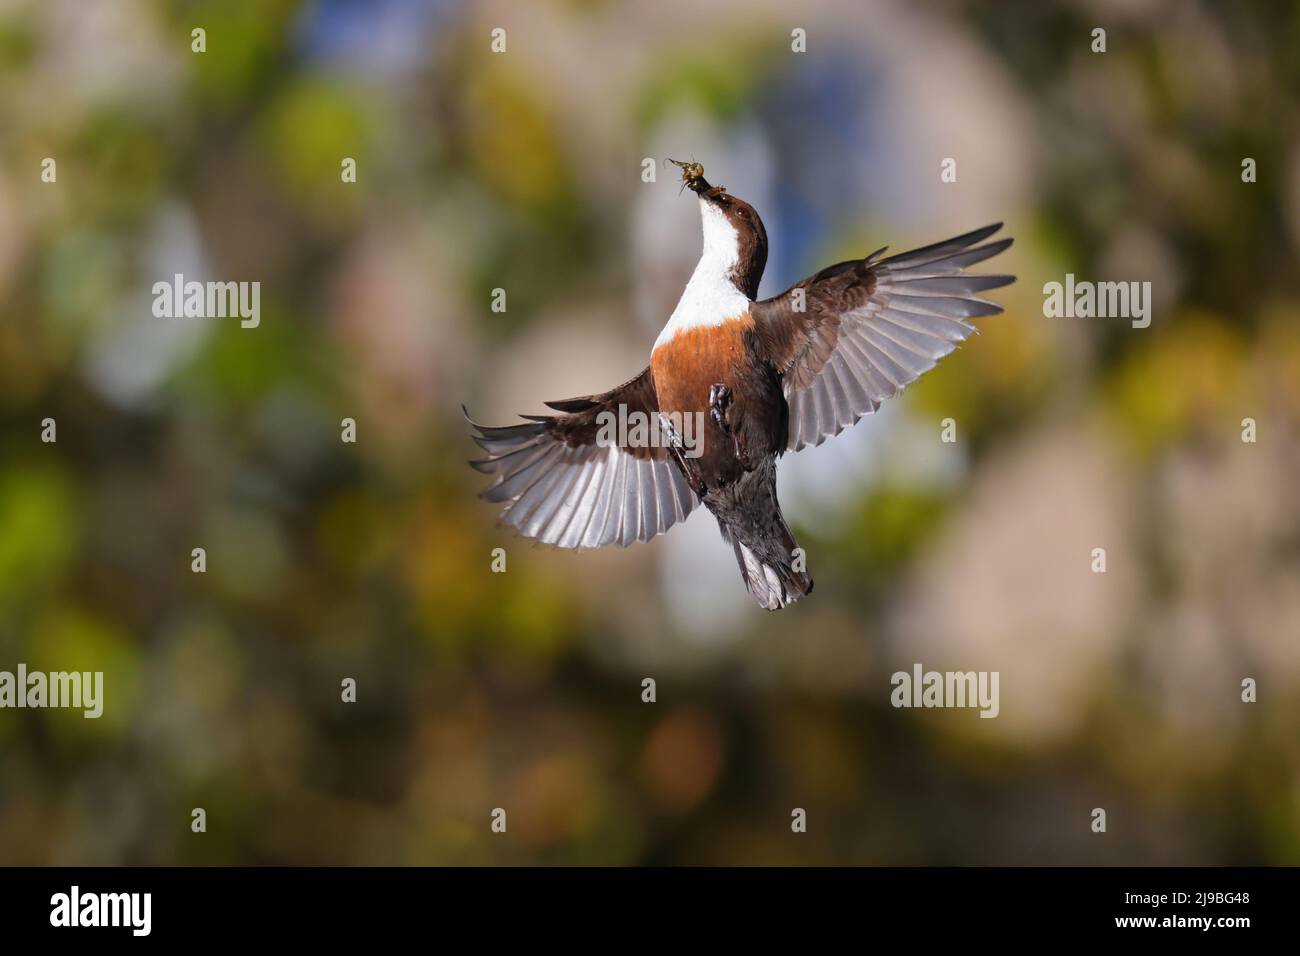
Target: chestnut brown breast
(687,366)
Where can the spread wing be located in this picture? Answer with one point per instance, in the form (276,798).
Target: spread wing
(565,483)
(870,327)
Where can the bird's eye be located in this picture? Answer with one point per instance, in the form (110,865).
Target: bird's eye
(742,212)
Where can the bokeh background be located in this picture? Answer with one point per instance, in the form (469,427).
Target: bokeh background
(522,690)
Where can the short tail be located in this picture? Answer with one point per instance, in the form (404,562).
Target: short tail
(773,566)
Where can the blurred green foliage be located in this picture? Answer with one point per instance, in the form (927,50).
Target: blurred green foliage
(523,690)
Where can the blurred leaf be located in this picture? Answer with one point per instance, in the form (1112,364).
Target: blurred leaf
(306,132)
(1184,376)
(38,529)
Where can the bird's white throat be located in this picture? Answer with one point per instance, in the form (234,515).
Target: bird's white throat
(710,297)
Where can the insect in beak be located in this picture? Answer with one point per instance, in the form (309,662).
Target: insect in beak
(693,178)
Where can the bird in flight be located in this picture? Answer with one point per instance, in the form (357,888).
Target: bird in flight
(733,383)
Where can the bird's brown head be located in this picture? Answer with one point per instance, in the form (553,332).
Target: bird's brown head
(730,224)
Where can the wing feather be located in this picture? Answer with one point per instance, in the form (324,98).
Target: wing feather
(870,327)
(563,486)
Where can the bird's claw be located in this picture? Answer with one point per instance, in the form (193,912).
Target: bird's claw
(690,467)
(719,404)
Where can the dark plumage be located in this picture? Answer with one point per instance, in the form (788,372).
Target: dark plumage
(762,378)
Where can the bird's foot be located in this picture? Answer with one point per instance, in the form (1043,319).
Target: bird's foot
(689,466)
(719,405)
